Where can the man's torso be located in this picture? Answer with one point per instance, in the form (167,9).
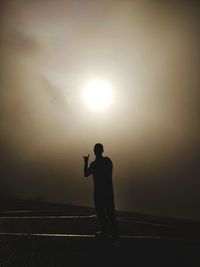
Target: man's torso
(101,170)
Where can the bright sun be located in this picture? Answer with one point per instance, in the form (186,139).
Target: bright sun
(98,95)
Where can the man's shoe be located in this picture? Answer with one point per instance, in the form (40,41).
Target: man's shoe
(101,234)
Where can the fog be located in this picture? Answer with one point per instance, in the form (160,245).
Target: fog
(149,52)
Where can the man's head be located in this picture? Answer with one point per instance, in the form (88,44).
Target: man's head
(98,149)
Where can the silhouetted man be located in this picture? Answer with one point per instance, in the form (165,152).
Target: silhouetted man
(101,170)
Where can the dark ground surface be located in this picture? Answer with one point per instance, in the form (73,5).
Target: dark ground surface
(41,234)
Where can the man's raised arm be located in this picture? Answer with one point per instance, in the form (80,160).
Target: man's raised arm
(87,170)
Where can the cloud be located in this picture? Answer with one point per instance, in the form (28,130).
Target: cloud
(20,40)
(56,95)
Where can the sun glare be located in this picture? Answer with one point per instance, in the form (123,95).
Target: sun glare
(98,95)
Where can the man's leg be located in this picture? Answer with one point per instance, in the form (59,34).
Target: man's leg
(112,219)
(101,215)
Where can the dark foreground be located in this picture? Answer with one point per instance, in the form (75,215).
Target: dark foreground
(64,236)
(68,251)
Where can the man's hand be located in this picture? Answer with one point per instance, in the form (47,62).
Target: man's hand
(86,158)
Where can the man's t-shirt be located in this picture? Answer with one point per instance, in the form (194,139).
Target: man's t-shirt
(101,169)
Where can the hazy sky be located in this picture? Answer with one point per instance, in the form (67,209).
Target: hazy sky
(148,51)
